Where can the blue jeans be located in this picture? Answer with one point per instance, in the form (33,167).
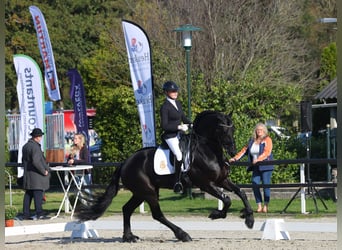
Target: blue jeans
(263,177)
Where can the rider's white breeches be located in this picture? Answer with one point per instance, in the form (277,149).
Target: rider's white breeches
(174,146)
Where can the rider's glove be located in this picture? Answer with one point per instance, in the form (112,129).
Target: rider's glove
(183,127)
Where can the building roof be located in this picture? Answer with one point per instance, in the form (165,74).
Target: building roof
(329,92)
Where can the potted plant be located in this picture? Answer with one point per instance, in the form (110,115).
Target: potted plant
(10,213)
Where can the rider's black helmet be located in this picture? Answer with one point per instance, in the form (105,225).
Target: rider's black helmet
(170,86)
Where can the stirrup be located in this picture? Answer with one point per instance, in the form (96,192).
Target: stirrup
(178,187)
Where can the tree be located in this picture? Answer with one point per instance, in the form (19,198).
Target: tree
(329,62)
(74,30)
(239,34)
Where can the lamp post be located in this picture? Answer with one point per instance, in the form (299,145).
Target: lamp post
(186,31)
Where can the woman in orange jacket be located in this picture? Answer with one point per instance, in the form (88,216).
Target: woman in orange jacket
(259,148)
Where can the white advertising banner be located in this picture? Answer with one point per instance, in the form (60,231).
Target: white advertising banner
(140,65)
(30,90)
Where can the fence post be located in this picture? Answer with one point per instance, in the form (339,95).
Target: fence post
(10,185)
(328,153)
(302,191)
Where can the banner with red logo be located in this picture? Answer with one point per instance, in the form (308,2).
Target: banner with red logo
(51,79)
(140,65)
(30,90)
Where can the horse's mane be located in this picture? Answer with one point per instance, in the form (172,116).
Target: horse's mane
(201,119)
(199,136)
(204,113)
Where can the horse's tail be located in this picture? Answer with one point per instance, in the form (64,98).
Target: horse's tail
(99,203)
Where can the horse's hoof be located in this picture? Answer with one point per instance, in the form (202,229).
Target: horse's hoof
(182,236)
(249,222)
(185,237)
(130,238)
(217,214)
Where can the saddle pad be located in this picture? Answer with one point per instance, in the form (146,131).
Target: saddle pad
(162,164)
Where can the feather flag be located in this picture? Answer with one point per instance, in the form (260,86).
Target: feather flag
(50,73)
(140,64)
(30,90)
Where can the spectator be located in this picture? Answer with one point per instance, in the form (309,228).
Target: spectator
(258,149)
(80,155)
(36,175)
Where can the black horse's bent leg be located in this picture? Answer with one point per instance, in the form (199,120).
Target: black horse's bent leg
(216,192)
(247,212)
(128,210)
(158,215)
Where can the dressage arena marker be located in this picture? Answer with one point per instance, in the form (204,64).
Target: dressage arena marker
(273,229)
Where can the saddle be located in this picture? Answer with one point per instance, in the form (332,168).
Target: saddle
(164,160)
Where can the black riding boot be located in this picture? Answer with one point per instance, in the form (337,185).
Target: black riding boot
(178,187)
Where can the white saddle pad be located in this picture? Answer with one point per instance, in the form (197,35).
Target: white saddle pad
(162,164)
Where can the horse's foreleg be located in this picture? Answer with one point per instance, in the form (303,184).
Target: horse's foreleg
(247,212)
(216,192)
(158,215)
(127,211)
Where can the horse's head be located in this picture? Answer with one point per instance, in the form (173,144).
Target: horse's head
(218,128)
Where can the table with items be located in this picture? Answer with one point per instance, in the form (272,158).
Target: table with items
(76,178)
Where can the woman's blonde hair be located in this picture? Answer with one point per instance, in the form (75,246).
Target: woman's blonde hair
(263,127)
(76,148)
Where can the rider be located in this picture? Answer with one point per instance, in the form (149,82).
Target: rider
(173,120)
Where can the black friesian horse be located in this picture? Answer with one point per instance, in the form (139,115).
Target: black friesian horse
(212,131)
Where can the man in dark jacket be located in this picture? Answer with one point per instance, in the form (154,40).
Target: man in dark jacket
(36,175)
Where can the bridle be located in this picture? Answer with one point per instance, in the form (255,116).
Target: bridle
(226,126)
